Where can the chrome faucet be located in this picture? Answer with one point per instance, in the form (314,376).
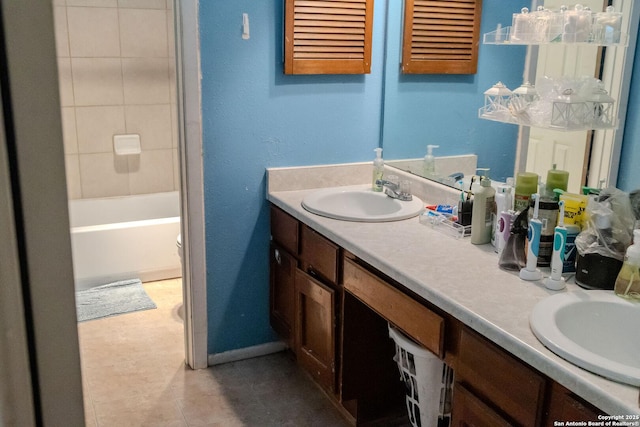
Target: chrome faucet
(393,190)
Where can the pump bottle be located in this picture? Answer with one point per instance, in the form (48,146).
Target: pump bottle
(482,212)
(378,170)
(628,281)
(429,164)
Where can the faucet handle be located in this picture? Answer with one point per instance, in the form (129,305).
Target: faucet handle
(405,187)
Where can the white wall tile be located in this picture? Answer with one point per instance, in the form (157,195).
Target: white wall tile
(151,172)
(69,135)
(93,3)
(152,123)
(103,175)
(93,32)
(97,81)
(96,127)
(94,88)
(173,82)
(65,82)
(174,126)
(143,33)
(61,31)
(143,4)
(171,34)
(146,81)
(176,170)
(72,170)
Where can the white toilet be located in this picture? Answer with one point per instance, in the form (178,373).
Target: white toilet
(179,245)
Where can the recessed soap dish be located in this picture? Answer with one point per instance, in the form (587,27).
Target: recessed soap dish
(126,145)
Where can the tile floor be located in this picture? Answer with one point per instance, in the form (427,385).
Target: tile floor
(134,375)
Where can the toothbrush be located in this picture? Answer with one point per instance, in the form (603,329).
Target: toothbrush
(555,282)
(530,272)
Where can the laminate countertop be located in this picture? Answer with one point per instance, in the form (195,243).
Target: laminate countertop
(460,278)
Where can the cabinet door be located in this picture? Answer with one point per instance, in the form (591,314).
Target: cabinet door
(500,379)
(316,329)
(469,411)
(281,293)
(564,405)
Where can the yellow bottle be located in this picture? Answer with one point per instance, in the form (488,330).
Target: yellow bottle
(628,281)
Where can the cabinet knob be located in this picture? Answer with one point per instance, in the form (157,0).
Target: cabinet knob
(277,256)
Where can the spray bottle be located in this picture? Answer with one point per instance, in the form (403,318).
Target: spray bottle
(628,281)
(555,282)
(429,165)
(484,205)
(530,272)
(378,170)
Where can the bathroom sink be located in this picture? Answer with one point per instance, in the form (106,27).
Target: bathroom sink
(360,204)
(595,330)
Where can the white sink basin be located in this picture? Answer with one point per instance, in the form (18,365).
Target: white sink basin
(595,330)
(360,204)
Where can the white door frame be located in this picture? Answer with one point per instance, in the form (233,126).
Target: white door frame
(194,268)
(33,127)
(16,393)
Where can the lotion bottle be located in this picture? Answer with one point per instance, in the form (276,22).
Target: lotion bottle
(429,164)
(378,170)
(628,280)
(484,206)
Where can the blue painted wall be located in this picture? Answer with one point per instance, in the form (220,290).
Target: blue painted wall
(254,117)
(629,172)
(443,110)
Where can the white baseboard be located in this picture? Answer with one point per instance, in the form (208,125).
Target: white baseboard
(245,353)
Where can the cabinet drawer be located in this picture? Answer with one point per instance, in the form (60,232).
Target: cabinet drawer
(500,378)
(564,405)
(319,255)
(284,229)
(416,320)
(468,410)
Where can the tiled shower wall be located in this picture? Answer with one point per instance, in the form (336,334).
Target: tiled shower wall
(117,76)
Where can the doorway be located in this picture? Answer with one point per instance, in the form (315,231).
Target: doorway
(118,76)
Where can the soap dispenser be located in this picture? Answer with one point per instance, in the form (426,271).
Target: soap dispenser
(429,165)
(378,170)
(483,209)
(628,281)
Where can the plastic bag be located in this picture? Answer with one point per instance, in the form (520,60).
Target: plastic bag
(609,225)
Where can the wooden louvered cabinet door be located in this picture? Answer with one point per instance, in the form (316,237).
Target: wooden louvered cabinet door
(328,36)
(441,37)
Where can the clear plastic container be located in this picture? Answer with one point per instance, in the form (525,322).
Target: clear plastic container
(607,27)
(577,25)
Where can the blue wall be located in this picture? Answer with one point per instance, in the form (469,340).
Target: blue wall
(254,117)
(443,109)
(629,172)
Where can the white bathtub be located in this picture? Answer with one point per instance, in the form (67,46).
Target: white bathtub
(125,237)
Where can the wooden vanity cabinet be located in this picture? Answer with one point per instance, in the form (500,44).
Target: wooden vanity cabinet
(304,296)
(283,262)
(564,405)
(317,304)
(492,384)
(333,310)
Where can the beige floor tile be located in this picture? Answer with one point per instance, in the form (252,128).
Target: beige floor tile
(134,375)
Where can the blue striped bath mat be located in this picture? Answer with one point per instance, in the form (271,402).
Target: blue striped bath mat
(112,299)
